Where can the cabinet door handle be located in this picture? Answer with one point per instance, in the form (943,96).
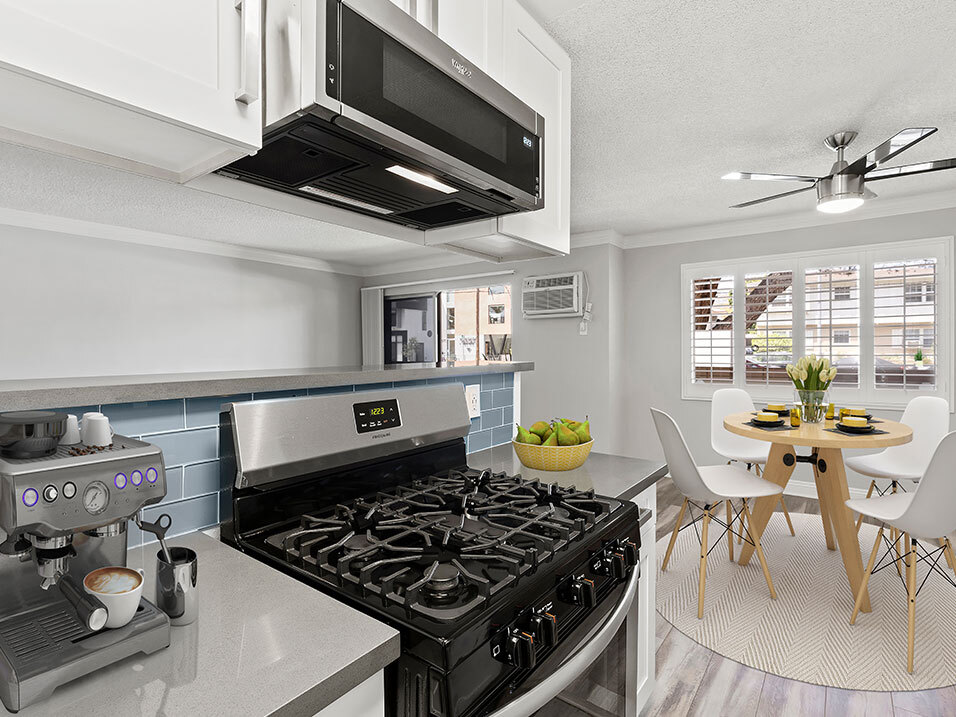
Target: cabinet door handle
(250,63)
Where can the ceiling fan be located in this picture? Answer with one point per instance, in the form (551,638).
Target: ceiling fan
(844,188)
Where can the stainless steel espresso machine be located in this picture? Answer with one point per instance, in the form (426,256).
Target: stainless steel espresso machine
(61,516)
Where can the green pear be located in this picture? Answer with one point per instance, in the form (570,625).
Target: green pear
(552,439)
(540,428)
(546,436)
(573,425)
(567,437)
(526,436)
(583,432)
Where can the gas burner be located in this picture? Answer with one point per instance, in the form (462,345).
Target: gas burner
(443,584)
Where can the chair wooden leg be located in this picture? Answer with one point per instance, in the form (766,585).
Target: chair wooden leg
(895,536)
(730,533)
(950,556)
(703,564)
(866,577)
(859,521)
(743,527)
(911,593)
(754,536)
(786,514)
(670,545)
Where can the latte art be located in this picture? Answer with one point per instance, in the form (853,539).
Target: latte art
(113,581)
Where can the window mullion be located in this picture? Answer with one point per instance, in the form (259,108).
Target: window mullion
(867,328)
(740,330)
(799,311)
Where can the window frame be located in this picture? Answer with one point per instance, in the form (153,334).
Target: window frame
(865,256)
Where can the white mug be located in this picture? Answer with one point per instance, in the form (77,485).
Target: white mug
(96,430)
(119,589)
(72,434)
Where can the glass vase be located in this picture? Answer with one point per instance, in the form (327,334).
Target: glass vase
(813,405)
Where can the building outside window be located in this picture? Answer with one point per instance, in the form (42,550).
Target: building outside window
(476,326)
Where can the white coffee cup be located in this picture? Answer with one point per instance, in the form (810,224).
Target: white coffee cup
(119,589)
(72,434)
(96,430)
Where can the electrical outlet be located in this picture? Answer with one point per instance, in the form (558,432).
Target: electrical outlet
(473,399)
(583,328)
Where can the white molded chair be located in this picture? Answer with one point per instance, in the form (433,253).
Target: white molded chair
(928,416)
(925,514)
(738,448)
(705,487)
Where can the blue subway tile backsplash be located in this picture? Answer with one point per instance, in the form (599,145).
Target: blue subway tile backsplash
(187,430)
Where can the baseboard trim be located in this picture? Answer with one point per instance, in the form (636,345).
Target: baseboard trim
(806,489)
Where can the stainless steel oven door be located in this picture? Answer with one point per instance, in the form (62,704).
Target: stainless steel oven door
(596,675)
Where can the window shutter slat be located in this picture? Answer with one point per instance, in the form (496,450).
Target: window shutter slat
(712,330)
(832,308)
(769,330)
(904,318)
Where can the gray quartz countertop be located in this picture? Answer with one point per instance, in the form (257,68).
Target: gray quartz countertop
(18,395)
(610,475)
(263,644)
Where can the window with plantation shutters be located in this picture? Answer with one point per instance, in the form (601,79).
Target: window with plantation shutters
(904,324)
(769,326)
(882,314)
(832,323)
(712,330)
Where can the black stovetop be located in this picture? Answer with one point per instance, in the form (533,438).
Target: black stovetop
(442,548)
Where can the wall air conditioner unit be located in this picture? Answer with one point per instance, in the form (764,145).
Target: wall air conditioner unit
(552,296)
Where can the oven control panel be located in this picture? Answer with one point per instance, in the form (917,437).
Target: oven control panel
(542,626)
(377,415)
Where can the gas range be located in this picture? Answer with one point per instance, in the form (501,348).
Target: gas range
(485,575)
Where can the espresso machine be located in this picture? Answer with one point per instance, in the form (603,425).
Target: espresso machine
(61,516)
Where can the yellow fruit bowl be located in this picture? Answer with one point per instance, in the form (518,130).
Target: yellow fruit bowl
(552,458)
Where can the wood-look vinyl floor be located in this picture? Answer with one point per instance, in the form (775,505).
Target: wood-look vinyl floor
(692,680)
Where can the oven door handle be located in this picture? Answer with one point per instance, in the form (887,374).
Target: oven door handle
(537,697)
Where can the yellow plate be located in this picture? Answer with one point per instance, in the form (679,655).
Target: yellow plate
(552,458)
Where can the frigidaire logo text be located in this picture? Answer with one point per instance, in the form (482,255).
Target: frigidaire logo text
(462,70)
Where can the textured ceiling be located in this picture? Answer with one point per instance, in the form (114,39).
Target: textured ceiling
(667,96)
(43,183)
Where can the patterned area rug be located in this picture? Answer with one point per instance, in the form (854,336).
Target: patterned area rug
(805,634)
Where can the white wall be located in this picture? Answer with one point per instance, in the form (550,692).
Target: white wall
(80,306)
(573,373)
(652,295)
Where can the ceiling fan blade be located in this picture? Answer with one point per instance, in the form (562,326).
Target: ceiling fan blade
(773,196)
(899,142)
(920,168)
(770,177)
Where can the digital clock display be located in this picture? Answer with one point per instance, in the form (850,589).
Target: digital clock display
(376,415)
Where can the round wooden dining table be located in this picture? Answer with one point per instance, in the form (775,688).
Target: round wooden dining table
(826,444)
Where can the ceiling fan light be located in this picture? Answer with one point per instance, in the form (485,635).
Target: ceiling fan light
(839,205)
(840,193)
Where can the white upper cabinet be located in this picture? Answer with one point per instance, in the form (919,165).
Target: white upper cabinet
(168,89)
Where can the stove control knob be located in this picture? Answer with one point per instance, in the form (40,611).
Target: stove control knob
(544,627)
(518,650)
(629,548)
(581,593)
(614,565)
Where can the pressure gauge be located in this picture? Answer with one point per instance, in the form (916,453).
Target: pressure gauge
(96,497)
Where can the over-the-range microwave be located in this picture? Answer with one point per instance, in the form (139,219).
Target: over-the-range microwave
(368,110)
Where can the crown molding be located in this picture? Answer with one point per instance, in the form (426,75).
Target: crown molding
(81,227)
(596,238)
(882,208)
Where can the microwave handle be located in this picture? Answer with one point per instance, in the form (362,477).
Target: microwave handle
(540,695)
(250,65)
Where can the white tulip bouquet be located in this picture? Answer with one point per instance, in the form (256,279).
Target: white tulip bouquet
(811,373)
(812,377)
